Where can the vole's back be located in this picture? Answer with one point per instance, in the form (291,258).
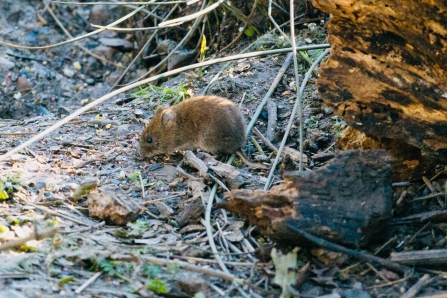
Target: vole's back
(212,123)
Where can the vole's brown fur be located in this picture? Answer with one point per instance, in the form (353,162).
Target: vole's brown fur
(213,124)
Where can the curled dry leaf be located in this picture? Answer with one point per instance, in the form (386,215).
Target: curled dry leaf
(233,231)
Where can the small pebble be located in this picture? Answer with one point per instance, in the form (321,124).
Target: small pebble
(41,111)
(62,111)
(77,65)
(124,144)
(68,72)
(40,185)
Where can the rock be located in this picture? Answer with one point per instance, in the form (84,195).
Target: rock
(41,111)
(23,84)
(63,111)
(6,64)
(69,73)
(90,81)
(166,173)
(103,51)
(116,43)
(113,77)
(113,207)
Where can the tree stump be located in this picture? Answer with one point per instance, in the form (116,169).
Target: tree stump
(387,71)
(348,201)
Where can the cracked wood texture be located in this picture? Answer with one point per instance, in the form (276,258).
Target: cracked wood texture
(348,201)
(386,74)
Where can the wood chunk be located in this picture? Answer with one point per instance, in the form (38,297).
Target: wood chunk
(192,211)
(164,209)
(387,72)
(348,201)
(113,207)
(191,284)
(191,160)
(409,164)
(231,175)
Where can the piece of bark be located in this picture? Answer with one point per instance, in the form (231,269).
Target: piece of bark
(431,257)
(191,284)
(191,160)
(164,209)
(348,201)
(409,164)
(387,72)
(230,174)
(191,212)
(113,207)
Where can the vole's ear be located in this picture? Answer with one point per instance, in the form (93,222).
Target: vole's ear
(167,117)
(161,108)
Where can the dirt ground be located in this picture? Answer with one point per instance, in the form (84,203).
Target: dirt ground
(87,256)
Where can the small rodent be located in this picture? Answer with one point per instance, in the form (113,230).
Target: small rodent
(211,123)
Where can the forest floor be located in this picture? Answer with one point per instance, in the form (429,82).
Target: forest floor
(82,255)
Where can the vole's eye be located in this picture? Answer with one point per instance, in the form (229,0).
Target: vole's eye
(149,139)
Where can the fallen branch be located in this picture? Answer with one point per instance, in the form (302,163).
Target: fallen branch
(34,236)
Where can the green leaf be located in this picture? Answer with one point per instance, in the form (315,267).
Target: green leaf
(157,286)
(250,31)
(151,270)
(65,280)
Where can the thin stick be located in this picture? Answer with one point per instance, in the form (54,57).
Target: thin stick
(356,254)
(243,29)
(18,133)
(209,232)
(47,210)
(148,80)
(264,139)
(193,268)
(292,116)
(422,282)
(59,23)
(272,88)
(183,41)
(87,283)
(74,39)
(276,25)
(120,3)
(190,17)
(141,51)
(377,272)
(142,186)
(298,93)
(391,283)
(163,199)
(34,236)
(91,228)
